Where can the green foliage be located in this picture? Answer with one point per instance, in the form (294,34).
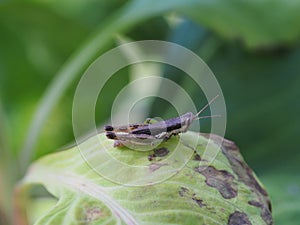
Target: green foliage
(251,46)
(259,23)
(85,197)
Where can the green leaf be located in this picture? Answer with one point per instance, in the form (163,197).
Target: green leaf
(225,191)
(263,23)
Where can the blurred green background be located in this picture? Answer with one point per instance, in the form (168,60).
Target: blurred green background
(252,47)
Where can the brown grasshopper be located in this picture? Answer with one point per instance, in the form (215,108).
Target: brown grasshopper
(149,134)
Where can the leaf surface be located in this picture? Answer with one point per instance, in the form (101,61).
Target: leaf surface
(196,192)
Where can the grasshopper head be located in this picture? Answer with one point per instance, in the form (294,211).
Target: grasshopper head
(187,119)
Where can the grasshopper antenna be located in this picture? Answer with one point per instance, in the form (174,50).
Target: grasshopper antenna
(196,116)
(204,117)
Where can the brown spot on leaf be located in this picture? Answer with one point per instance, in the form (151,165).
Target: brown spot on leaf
(197,157)
(155,166)
(238,164)
(199,202)
(264,212)
(185,192)
(252,181)
(182,192)
(269,206)
(222,180)
(150,157)
(244,173)
(158,152)
(238,218)
(255,203)
(93,214)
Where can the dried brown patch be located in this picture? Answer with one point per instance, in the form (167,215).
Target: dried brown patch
(264,212)
(182,192)
(245,175)
(255,203)
(93,214)
(185,192)
(197,157)
(222,180)
(238,218)
(155,166)
(158,152)
(161,152)
(199,201)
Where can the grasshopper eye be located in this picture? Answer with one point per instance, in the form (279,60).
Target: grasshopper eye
(111,135)
(108,128)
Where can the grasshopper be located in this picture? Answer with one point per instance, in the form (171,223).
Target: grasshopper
(150,134)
